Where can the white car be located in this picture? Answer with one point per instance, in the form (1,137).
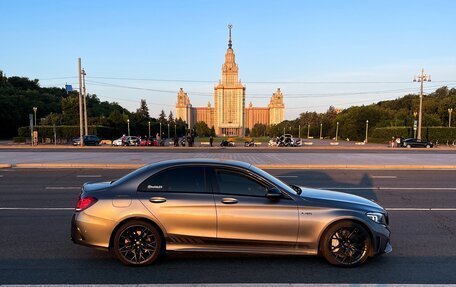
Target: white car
(117,142)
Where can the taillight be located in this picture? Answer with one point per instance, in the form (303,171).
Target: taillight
(86,202)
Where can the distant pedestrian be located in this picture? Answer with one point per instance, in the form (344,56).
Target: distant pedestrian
(211,140)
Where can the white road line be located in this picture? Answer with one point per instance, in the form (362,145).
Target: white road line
(1,175)
(88,175)
(384,176)
(238,285)
(287,176)
(37,208)
(62,187)
(388,188)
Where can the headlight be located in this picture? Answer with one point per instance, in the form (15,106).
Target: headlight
(377,217)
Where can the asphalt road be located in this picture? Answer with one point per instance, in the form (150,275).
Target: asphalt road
(35,246)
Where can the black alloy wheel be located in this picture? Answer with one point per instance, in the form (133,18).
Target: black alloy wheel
(346,244)
(137,243)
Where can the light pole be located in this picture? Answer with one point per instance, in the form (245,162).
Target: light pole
(160,130)
(421,78)
(175,130)
(308,130)
(34,111)
(168,130)
(149,129)
(414,124)
(450,110)
(128,125)
(337,130)
(367,127)
(283,130)
(299,128)
(321,131)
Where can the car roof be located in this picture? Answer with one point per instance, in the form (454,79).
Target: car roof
(204,161)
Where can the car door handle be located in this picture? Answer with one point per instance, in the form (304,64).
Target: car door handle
(157,199)
(229,200)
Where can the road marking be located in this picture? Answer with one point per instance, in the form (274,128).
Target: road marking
(62,187)
(287,176)
(384,176)
(237,285)
(388,188)
(1,175)
(88,175)
(37,208)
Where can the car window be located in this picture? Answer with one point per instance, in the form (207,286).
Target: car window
(232,182)
(179,179)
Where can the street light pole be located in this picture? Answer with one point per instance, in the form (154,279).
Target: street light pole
(299,131)
(84,95)
(149,129)
(449,119)
(81,138)
(128,126)
(160,130)
(321,131)
(337,130)
(367,127)
(35,109)
(414,127)
(421,78)
(168,130)
(175,130)
(308,130)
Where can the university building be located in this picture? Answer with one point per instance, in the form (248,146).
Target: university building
(229,116)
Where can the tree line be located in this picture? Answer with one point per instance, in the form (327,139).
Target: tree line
(56,106)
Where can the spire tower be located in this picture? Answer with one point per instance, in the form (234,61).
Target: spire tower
(229,40)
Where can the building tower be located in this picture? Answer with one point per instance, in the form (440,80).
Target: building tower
(229,97)
(184,108)
(276,108)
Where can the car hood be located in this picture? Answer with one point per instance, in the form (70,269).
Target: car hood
(339,199)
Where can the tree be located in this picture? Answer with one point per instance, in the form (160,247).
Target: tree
(162,117)
(201,129)
(258,130)
(143,111)
(170,117)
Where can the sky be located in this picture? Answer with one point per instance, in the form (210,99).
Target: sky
(320,53)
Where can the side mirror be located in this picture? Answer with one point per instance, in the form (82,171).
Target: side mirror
(274,194)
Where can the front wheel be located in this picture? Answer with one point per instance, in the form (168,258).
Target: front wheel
(428,146)
(137,243)
(346,244)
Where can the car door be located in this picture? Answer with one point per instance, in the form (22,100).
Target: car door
(179,198)
(246,217)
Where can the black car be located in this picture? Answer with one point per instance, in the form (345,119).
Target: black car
(88,140)
(412,142)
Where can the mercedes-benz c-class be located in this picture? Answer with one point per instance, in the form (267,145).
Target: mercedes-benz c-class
(224,206)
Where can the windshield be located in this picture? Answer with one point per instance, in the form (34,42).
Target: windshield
(273,179)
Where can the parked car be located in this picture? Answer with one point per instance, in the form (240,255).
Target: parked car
(169,205)
(412,142)
(126,141)
(87,140)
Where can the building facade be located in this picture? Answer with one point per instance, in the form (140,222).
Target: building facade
(230,116)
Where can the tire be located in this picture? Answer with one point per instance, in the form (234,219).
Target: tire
(428,146)
(137,243)
(353,244)
(408,146)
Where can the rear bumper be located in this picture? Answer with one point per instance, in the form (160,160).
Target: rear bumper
(79,236)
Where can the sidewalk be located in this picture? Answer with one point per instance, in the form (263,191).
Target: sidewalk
(313,160)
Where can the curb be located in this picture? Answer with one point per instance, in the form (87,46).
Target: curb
(262,166)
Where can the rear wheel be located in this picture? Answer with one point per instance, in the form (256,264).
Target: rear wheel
(346,244)
(137,243)
(428,146)
(408,146)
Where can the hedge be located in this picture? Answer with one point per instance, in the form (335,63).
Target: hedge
(67,132)
(442,134)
